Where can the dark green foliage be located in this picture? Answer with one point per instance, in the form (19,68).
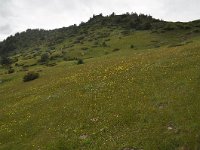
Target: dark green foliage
(132,46)
(96,43)
(52,48)
(5,61)
(36,38)
(104,44)
(77,41)
(145,26)
(133,24)
(14,60)
(30,76)
(80,61)
(196,31)
(37,49)
(8,45)
(80,38)
(44,57)
(11,70)
(116,49)
(169,27)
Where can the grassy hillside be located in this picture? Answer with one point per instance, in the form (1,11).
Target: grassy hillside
(137,89)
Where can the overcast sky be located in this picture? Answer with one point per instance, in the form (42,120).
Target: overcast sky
(19,15)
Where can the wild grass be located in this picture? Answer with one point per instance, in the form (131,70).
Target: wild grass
(144,99)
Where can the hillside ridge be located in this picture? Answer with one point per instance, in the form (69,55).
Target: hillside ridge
(128,21)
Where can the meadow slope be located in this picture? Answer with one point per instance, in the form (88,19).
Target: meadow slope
(147,99)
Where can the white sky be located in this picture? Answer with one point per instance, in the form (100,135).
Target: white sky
(19,15)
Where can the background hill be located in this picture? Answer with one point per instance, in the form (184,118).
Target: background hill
(115,82)
(92,34)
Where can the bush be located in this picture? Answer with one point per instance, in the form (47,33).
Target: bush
(196,31)
(44,57)
(104,44)
(80,61)
(11,70)
(80,38)
(169,27)
(30,76)
(132,46)
(5,61)
(144,26)
(116,49)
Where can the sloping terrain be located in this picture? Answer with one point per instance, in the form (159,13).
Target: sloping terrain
(135,90)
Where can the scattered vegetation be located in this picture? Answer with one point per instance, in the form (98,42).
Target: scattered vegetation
(145,96)
(30,76)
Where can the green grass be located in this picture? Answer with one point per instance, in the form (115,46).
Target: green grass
(145,98)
